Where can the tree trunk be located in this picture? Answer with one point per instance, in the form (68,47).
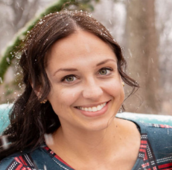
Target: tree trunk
(142,55)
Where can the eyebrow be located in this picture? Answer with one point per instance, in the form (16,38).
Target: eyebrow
(65,69)
(74,69)
(105,61)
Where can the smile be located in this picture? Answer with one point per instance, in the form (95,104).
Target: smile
(94,108)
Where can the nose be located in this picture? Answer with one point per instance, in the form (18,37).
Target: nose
(92,90)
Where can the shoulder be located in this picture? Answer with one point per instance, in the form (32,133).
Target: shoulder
(17,161)
(159,138)
(156,132)
(41,158)
(156,143)
(26,160)
(158,135)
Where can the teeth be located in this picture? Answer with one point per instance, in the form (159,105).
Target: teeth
(92,109)
(98,107)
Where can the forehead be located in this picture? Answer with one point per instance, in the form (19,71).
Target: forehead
(80,45)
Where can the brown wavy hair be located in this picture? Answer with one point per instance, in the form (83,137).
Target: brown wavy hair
(29,119)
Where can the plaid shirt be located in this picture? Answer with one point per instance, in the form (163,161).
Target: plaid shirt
(155,153)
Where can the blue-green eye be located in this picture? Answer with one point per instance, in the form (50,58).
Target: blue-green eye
(69,78)
(104,71)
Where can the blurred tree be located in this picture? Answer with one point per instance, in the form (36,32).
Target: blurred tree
(163,23)
(14,15)
(142,55)
(24,10)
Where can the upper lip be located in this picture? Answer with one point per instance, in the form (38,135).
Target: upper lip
(92,105)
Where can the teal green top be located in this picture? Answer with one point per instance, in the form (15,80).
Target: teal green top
(155,153)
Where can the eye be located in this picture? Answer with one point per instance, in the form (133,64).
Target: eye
(69,78)
(105,71)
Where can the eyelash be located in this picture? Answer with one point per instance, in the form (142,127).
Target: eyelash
(104,68)
(63,79)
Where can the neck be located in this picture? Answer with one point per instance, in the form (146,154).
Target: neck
(98,144)
(112,146)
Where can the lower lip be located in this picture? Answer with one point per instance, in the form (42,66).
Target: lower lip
(96,113)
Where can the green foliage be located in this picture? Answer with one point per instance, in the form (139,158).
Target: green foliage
(8,56)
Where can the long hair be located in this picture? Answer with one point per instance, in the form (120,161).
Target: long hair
(29,119)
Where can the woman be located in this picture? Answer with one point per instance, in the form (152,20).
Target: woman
(73,73)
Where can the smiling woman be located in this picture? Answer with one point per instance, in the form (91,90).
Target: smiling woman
(85,81)
(74,74)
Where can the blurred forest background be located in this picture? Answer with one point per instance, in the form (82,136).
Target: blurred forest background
(142,28)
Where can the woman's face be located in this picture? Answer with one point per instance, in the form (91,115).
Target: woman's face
(86,88)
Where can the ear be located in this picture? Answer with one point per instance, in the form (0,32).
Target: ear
(37,91)
(122,82)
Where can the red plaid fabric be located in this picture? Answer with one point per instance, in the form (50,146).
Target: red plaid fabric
(23,162)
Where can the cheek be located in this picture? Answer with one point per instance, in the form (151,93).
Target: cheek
(65,97)
(114,88)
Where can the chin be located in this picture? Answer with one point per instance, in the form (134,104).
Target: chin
(99,125)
